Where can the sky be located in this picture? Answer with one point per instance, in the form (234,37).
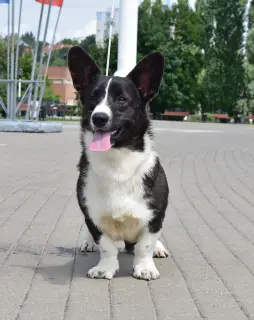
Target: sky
(78,18)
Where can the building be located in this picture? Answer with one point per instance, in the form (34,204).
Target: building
(61,83)
(56,47)
(103,20)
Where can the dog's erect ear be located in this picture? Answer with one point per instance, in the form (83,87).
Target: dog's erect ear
(82,67)
(147,75)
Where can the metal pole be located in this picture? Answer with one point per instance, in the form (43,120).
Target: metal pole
(8,62)
(19,89)
(48,62)
(17,60)
(12,91)
(41,59)
(23,98)
(34,63)
(127,40)
(18,40)
(110,36)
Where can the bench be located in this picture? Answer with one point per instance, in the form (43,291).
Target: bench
(174,114)
(221,117)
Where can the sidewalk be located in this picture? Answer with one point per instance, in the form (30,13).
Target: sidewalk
(209,231)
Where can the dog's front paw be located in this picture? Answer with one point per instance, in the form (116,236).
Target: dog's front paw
(146,271)
(88,246)
(106,269)
(160,251)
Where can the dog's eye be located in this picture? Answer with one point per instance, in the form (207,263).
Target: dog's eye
(122,99)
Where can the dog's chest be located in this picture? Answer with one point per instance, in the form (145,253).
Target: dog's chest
(117,207)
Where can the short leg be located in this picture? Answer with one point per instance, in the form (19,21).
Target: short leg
(88,244)
(129,247)
(108,264)
(143,266)
(160,251)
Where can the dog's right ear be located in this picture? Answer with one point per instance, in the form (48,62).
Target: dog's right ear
(82,67)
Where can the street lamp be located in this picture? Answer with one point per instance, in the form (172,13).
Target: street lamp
(20,74)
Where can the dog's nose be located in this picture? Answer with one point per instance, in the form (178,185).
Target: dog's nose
(100,119)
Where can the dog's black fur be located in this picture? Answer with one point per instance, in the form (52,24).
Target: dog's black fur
(128,98)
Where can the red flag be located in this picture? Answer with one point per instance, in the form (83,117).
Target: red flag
(57,3)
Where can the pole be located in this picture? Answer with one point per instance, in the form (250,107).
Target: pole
(35,54)
(47,66)
(19,89)
(110,35)
(127,40)
(41,60)
(17,58)
(18,40)
(12,91)
(8,61)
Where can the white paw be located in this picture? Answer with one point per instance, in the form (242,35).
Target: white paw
(146,271)
(88,246)
(160,251)
(106,269)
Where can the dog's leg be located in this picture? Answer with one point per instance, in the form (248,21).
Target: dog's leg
(143,266)
(129,247)
(88,244)
(160,251)
(108,264)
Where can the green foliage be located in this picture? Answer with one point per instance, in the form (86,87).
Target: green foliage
(251,15)
(99,54)
(3,70)
(87,42)
(223,82)
(203,49)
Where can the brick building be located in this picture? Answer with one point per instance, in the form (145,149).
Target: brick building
(61,83)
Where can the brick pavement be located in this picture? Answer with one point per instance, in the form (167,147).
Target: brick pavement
(209,231)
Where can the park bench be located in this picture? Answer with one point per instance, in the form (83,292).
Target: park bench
(251,118)
(221,117)
(175,115)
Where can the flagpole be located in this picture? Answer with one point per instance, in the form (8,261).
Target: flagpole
(35,54)
(41,60)
(127,39)
(110,35)
(17,55)
(8,61)
(48,62)
(12,98)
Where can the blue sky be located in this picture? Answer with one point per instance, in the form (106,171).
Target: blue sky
(77,19)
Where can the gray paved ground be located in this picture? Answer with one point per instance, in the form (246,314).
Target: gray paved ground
(209,231)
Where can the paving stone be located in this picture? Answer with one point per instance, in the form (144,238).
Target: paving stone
(209,231)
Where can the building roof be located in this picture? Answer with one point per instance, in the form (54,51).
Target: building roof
(56,47)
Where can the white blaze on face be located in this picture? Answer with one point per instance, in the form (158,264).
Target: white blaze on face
(103,105)
(101,139)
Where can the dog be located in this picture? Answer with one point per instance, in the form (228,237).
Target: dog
(122,188)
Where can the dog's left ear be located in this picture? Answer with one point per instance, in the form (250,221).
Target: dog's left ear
(147,75)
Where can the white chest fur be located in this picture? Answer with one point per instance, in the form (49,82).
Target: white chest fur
(114,190)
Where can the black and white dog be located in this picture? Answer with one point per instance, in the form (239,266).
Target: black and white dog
(122,189)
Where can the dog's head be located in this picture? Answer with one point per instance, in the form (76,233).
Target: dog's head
(115,108)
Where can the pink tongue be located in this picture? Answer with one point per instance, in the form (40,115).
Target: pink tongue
(101,141)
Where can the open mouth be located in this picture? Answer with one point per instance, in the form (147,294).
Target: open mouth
(104,140)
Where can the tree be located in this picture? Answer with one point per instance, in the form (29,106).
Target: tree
(99,54)
(176,33)
(3,70)
(87,42)
(251,15)
(224,76)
